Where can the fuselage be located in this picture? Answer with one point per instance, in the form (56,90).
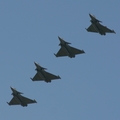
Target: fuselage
(96,27)
(19,99)
(66,47)
(41,72)
(67,50)
(17,95)
(96,23)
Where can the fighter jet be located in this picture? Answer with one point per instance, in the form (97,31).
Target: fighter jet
(43,75)
(97,27)
(67,50)
(18,99)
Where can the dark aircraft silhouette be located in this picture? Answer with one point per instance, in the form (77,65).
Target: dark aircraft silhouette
(67,50)
(18,99)
(97,27)
(43,75)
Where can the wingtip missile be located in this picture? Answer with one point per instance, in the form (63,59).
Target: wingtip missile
(86,29)
(114,31)
(83,51)
(35,101)
(55,54)
(8,103)
(32,79)
(59,77)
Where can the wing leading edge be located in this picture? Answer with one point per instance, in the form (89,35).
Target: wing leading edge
(61,52)
(14,101)
(51,76)
(91,29)
(24,101)
(72,51)
(76,51)
(48,77)
(103,29)
(27,100)
(37,77)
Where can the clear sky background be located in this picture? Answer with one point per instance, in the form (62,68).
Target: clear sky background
(89,88)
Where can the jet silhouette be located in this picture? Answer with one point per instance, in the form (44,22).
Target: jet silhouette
(67,50)
(97,27)
(43,75)
(18,99)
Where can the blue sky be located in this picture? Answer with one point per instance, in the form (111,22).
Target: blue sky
(90,83)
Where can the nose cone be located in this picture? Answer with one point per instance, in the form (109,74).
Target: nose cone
(35,64)
(60,39)
(91,16)
(12,88)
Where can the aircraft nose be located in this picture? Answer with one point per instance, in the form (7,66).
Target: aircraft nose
(59,38)
(35,63)
(90,15)
(12,88)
